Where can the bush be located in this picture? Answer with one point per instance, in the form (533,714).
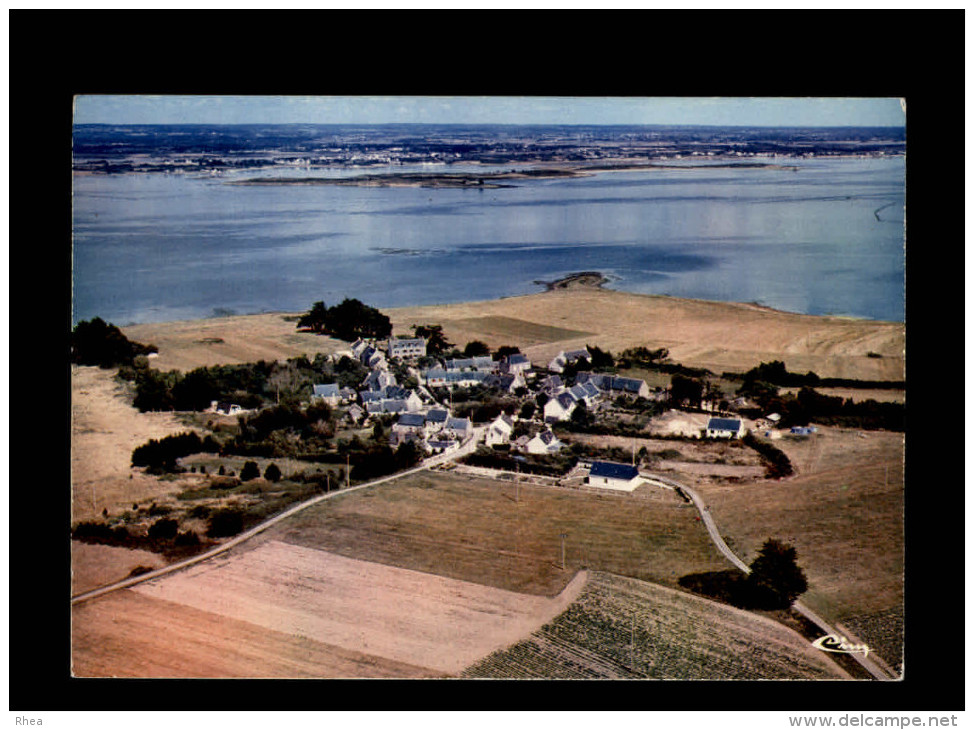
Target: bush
(163,528)
(272,473)
(250,471)
(225,523)
(776,579)
(187,538)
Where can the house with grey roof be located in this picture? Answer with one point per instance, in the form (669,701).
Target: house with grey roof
(484,363)
(566,357)
(560,407)
(500,430)
(407,349)
(506,382)
(408,426)
(613,385)
(330,393)
(440,378)
(516,363)
(458,428)
(378,380)
(545,442)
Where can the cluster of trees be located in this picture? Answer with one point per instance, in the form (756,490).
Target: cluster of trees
(774,581)
(97,342)
(378,460)
(285,430)
(775,373)
(160,455)
(250,385)
(349,321)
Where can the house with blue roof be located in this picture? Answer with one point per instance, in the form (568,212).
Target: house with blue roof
(610,475)
(725,428)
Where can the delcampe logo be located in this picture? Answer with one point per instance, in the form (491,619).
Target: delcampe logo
(839,644)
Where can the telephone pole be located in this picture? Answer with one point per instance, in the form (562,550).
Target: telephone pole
(563,536)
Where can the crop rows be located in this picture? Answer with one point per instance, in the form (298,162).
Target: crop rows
(625,628)
(883,632)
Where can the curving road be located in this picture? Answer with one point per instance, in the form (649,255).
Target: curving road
(878,669)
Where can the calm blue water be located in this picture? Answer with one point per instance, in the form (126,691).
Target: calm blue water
(153,248)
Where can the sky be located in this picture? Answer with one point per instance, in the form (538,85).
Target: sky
(719,111)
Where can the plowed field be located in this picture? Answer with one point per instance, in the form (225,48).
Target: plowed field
(622,628)
(413,622)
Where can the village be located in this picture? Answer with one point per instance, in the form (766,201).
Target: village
(542,400)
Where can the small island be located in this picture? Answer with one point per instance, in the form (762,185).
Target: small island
(590,279)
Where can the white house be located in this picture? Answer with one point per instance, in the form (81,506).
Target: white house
(499,432)
(566,357)
(725,428)
(559,408)
(407,349)
(516,363)
(459,428)
(438,378)
(545,442)
(227,409)
(483,363)
(610,475)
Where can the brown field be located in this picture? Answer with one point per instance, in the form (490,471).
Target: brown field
(716,335)
(105,428)
(843,511)
(472,529)
(622,628)
(431,624)
(229,341)
(93,566)
(127,634)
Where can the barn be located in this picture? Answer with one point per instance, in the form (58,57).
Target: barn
(610,475)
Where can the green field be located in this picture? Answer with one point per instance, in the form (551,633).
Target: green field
(483,531)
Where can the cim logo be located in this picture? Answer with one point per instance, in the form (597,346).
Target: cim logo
(840,645)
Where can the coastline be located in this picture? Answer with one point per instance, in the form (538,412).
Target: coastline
(572,312)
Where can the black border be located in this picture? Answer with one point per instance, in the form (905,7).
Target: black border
(621,53)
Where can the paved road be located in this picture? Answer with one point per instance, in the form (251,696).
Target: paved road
(879,672)
(467,447)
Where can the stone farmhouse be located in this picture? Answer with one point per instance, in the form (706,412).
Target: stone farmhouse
(406,349)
